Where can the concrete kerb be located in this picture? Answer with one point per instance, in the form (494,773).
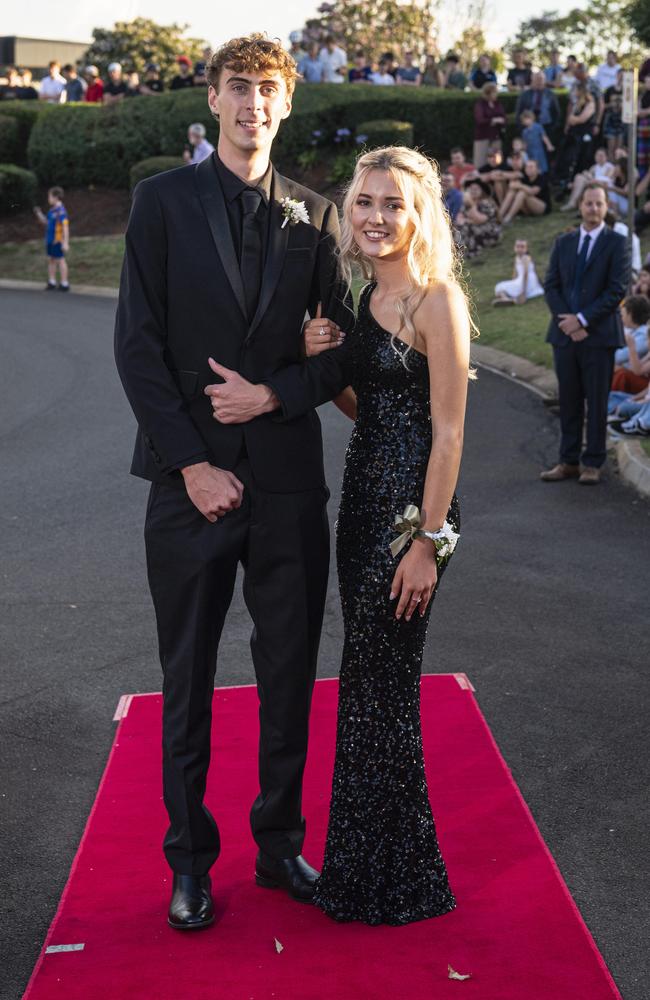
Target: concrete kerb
(633,463)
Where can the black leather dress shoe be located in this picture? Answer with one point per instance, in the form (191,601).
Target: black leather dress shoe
(293,875)
(191,907)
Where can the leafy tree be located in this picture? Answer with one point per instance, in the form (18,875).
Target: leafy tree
(377,26)
(586,32)
(637,15)
(138,42)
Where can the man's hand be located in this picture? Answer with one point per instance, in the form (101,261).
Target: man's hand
(237,401)
(570,324)
(212,491)
(579,335)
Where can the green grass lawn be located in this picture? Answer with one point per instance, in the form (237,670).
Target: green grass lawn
(520,330)
(93,260)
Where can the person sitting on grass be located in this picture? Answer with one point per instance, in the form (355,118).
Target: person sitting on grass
(459,168)
(629,411)
(524,283)
(642,283)
(528,196)
(494,174)
(536,139)
(57,239)
(517,149)
(632,370)
(477,224)
(602,170)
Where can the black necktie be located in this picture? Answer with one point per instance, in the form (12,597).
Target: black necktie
(581,263)
(251,249)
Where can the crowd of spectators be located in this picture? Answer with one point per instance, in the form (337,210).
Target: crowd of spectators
(68,83)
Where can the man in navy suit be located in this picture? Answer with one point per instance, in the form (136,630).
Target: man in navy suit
(587,277)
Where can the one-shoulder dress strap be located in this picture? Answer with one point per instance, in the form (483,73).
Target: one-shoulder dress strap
(365,293)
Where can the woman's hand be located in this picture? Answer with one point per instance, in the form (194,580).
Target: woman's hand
(415,579)
(321,334)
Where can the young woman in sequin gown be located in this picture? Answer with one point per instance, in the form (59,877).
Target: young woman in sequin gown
(382,861)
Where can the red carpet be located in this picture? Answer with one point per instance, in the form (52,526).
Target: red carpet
(516,928)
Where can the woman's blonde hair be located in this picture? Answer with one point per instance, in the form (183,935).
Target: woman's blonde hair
(432,254)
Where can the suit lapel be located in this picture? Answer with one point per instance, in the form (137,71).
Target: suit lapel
(278,240)
(214,207)
(573,256)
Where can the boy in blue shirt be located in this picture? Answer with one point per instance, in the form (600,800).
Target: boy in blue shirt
(536,139)
(57,239)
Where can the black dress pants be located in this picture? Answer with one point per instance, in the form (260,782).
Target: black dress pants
(584,376)
(282,540)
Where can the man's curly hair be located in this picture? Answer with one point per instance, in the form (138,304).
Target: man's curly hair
(252,54)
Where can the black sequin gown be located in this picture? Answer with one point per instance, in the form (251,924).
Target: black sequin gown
(382,860)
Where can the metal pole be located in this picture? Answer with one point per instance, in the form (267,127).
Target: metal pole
(632,117)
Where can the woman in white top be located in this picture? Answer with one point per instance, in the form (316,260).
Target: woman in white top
(524,283)
(602,171)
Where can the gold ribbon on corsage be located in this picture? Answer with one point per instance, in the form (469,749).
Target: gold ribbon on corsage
(407,524)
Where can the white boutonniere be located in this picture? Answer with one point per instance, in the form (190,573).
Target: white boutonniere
(294,211)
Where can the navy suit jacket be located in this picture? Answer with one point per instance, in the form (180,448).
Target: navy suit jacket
(604,284)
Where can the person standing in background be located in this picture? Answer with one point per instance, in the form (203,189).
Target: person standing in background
(183,78)
(95,89)
(553,72)
(588,274)
(409,74)
(152,84)
(28,91)
(519,75)
(607,73)
(75,87)
(483,73)
(334,61)
(489,122)
(115,89)
(201,147)
(361,71)
(452,76)
(52,87)
(310,66)
(57,239)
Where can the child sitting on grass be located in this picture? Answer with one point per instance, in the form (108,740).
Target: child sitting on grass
(632,362)
(524,283)
(57,239)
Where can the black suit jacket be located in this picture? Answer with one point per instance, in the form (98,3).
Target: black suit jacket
(182,301)
(604,284)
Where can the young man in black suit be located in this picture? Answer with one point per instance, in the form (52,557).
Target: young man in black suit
(587,277)
(223,260)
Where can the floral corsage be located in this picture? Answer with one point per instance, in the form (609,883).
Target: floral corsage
(294,211)
(408,524)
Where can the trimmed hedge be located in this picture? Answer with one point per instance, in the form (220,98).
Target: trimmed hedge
(9,149)
(385,132)
(17,188)
(77,145)
(151,166)
(25,114)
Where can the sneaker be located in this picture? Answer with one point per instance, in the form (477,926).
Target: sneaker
(636,431)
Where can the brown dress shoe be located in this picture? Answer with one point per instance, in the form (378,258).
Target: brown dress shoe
(559,472)
(589,476)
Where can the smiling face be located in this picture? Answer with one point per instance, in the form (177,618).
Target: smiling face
(250,107)
(380,217)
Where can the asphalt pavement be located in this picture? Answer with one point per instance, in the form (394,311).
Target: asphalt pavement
(545,608)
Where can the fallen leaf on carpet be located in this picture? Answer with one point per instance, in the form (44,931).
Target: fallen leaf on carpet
(278,947)
(452,974)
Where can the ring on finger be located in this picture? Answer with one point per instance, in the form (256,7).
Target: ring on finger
(322,332)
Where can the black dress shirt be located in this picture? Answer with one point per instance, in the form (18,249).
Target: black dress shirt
(232,186)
